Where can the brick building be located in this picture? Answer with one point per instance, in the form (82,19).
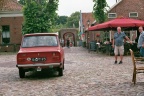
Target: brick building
(123,8)
(127,9)
(87,21)
(11,19)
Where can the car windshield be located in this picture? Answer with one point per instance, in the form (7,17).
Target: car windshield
(36,41)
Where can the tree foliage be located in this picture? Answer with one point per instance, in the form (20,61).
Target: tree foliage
(39,15)
(22,2)
(61,20)
(99,10)
(73,20)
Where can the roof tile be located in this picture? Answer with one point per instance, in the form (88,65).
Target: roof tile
(10,5)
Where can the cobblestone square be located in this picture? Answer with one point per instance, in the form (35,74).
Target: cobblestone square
(85,74)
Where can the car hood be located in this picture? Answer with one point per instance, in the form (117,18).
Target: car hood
(39,49)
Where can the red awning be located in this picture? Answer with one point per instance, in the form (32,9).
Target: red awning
(122,22)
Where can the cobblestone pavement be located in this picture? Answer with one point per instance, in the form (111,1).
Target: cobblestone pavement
(85,74)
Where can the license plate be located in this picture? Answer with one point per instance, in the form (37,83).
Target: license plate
(38,59)
(39,69)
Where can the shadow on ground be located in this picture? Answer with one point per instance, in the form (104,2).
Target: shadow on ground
(44,74)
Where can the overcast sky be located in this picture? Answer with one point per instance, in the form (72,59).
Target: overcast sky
(67,7)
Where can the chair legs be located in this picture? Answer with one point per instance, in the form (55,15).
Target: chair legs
(134,77)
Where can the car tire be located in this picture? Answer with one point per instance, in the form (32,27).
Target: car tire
(60,71)
(21,73)
(63,65)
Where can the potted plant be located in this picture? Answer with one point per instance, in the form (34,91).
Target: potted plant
(97,35)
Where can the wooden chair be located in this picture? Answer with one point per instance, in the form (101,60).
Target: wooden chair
(136,68)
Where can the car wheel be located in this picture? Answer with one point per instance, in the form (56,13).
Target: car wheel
(63,65)
(21,73)
(60,71)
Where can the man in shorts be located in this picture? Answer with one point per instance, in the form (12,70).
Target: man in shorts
(118,44)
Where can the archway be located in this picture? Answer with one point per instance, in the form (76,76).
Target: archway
(71,37)
(71,33)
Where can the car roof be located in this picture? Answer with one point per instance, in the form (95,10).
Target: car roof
(34,34)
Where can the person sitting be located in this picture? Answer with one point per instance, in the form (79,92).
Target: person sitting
(107,41)
(98,43)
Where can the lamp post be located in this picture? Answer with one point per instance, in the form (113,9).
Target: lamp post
(88,22)
(87,36)
(83,36)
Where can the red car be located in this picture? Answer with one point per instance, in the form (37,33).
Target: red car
(39,51)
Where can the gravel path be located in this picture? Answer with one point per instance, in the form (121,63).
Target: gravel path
(85,74)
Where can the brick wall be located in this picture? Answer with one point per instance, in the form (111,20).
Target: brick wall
(15,24)
(127,6)
(86,17)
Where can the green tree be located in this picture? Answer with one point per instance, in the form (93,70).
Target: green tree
(73,20)
(22,2)
(39,16)
(61,20)
(50,11)
(99,10)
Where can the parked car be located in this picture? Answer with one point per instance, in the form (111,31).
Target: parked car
(39,51)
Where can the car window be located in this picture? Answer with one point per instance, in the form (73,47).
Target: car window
(35,41)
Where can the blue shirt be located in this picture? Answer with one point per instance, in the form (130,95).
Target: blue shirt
(141,40)
(119,37)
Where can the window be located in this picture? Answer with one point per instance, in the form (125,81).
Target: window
(37,41)
(112,15)
(127,34)
(6,34)
(133,35)
(106,36)
(133,14)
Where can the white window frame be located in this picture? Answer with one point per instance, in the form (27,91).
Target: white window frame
(133,16)
(112,13)
(5,33)
(132,33)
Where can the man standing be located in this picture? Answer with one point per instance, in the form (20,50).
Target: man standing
(141,41)
(118,44)
(68,42)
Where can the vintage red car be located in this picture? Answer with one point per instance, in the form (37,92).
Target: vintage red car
(39,51)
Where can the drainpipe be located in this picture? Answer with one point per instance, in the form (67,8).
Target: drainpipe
(81,23)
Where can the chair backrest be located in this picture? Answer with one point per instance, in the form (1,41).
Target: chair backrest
(133,58)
